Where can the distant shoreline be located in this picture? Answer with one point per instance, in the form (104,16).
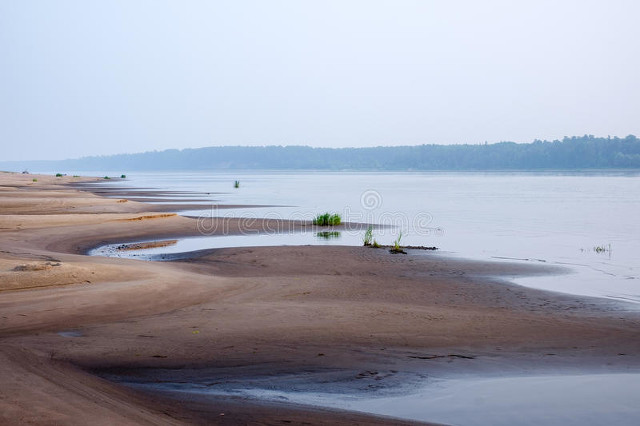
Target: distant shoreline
(99,173)
(574,153)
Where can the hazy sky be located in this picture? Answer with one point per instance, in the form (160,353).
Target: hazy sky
(98,77)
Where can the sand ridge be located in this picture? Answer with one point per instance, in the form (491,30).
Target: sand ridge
(253,311)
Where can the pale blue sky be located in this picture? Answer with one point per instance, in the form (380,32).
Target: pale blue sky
(99,77)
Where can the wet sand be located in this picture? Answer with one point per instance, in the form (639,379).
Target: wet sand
(354,317)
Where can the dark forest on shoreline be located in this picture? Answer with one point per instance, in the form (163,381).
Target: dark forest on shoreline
(570,153)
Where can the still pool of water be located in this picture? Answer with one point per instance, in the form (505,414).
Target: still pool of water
(585,399)
(585,221)
(187,245)
(595,399)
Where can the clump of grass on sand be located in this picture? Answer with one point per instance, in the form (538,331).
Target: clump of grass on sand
(368,236)
(327,219)
(396,245)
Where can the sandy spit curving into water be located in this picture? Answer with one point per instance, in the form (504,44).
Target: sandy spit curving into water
(74,328)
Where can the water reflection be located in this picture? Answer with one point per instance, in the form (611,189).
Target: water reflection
(328,235)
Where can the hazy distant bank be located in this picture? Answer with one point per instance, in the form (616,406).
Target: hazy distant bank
(586,152)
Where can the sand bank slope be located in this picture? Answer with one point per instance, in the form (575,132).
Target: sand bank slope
(362,314)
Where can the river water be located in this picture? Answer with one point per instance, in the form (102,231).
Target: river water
(588,222)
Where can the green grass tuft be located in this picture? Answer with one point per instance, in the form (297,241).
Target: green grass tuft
(396,245)
(368,236)
(327,219)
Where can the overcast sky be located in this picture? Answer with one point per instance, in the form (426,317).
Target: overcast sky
(99,77)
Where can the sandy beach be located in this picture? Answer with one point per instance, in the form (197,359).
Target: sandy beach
(73,326)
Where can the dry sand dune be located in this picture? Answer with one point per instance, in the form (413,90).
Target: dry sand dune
(66,319)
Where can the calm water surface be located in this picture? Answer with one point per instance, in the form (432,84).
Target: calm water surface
(585,221)
(550,400)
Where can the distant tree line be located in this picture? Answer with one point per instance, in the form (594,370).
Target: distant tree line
(586,152)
